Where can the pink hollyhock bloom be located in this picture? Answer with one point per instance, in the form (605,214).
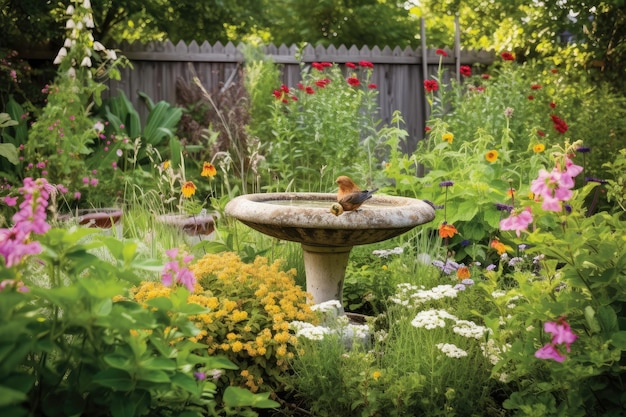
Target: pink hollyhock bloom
(551,204)
(517,222)
(561,333)
(550,352)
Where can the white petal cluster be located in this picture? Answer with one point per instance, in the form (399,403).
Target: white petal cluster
(384,253)
(492,351)
(410,295)
(431,319)
(451,350)
(469,329)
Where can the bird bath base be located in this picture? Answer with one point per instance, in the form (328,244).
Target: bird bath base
(325,268)
(327,239)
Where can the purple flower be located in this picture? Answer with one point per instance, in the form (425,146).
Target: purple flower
(503,207)
(583,149)
(175,271)
(200,376)
(448,267)
(446,184)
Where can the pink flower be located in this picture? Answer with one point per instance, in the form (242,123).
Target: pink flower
(10,201)
(549,352)
(517,222)
(175,271)
(561,333)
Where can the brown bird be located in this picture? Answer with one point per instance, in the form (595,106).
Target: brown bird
(350,196)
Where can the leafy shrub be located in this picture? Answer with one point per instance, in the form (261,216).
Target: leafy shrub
(249,307)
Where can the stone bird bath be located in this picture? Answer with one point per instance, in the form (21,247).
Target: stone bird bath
(327,239)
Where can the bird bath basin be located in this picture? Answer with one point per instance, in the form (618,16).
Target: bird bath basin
(327,239)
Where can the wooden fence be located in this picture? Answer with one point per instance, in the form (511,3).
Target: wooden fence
(398,73)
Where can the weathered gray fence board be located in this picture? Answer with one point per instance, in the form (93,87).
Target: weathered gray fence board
(399,73)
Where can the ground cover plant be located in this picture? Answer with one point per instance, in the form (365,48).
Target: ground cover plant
(510,303)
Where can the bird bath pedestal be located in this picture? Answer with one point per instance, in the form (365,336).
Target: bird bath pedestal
(327,239)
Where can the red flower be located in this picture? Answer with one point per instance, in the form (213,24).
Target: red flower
(552,105)
(351,65)
(427,129)
(431,85)
(485,76)
(278,94)
(353,81)
(318,66)
(300,86)
(327,64)
(366,64)
(531,97)
(554,70)
(309,90)
(284,88)
(372,86)
(294,98)
(507,56)
(559,124)
(535,87)
(322,83)
(441,52)
(465,70)
(541,133)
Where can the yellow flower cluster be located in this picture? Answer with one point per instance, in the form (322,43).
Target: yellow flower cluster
(250,308)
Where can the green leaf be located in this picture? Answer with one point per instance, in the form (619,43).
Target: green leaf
(115,379)
(186,382)
(10,396)
(116,360)
(162,303)
(152,376)
(239,397)
(618,339)
(157,363)
(9,151)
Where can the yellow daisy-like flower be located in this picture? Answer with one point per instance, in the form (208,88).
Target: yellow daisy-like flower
(376,375)
(189,189)
(166,164)
(538,148)
(448,137)
(491,156)
(208,170)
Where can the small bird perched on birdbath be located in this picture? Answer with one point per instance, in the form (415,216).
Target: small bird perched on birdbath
(350,196)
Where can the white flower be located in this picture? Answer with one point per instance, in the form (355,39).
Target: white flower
(88,19)
(87,4)
(111,54)
(97,46)
(383,253)
(86,62)
(314,332)
(498,293)
(492,351)
(451,351)
(71,72)
(326,306)
(468,328)
(70,24)
(70,10)
(431,319)
(68,43)
(98,126)
(62,54)
(119,152)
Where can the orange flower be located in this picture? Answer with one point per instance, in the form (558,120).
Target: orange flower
(499,246)
(463,272)
(208,170)
(448,137)
(491,156)
(538,148)
(447,230)
(189,189)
